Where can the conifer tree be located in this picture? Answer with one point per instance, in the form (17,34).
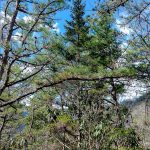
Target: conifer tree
(104,47)
(77,36)
(77,31)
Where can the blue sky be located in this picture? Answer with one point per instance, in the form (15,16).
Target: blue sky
(64,15)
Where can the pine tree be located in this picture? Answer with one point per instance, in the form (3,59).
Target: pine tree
(77,30)
(77,36)
(104,48)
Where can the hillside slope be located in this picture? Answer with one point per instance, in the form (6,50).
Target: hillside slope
(140,111)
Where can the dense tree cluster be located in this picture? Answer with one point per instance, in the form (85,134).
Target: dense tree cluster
(64,91)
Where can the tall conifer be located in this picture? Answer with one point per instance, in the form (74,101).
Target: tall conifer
(77,30)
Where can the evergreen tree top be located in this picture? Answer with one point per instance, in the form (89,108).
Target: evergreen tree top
(77,29)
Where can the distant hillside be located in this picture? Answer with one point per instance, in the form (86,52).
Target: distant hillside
(140,110)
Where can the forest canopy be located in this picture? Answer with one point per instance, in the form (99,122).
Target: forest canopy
(70,73)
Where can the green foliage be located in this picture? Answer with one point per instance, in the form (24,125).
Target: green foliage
(70,114)
(76,32)
(104,46)
(124,138)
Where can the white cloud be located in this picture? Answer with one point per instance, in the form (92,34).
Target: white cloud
(28,19)
(43,26)
(26,70)
(124,45)
(134,90)
(123,28)
(55,27)
(4,19)
(17,36)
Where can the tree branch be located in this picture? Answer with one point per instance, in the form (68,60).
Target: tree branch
(56,83)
